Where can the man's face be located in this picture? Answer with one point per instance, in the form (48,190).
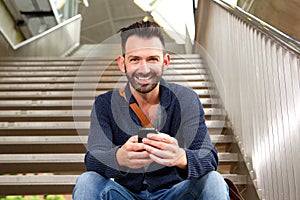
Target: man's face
(144,62)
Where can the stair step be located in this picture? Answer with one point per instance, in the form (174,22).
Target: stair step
(89,66)
(71,143)
(73,125)
(55,140)
(35,163)
(228,157)
(37,184)
(95,78)
(70,113)
(63,62)
(92,73)
(72,61)
(75,158)
(29,104)
(49,179)
(60,184)
(66,59)
(236,179)
(40,158)
(70,94)
(86,86)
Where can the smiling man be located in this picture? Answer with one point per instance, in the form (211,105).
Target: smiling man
(143,67)
(176,160)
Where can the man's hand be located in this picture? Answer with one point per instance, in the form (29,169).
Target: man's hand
(133,154)
(164,150)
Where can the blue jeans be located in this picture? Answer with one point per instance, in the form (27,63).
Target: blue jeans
(92,186)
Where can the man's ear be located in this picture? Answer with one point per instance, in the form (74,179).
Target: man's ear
(121,64)
(167,60)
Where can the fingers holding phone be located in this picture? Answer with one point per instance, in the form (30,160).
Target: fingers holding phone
(165,150)
(133,154)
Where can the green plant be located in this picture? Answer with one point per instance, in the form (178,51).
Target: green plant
(13,198)
(48,197)
(34,198)
(54,197)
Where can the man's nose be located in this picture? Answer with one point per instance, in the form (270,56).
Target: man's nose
(144,68)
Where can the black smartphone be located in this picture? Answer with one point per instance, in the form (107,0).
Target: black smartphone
(144,131)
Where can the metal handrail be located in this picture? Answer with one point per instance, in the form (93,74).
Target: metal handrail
(25,42)
(264,27)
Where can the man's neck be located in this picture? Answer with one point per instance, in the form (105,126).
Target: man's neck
(148,102)
(144,99)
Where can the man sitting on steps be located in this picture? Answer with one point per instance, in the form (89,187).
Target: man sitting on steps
(176,159)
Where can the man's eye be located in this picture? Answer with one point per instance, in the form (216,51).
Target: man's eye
(153,60)
(134,60)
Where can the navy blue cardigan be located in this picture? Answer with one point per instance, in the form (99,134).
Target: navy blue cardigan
(180,115)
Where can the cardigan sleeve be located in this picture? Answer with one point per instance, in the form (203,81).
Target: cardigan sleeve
(101,152)
(202,156)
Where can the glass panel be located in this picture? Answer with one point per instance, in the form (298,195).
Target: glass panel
(33,17)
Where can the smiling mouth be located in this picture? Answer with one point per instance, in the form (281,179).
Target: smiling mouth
(144,83)
(144,80)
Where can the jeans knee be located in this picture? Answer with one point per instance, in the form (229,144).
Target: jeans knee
(214,181)
(87,185)
(89,177)
(215,176)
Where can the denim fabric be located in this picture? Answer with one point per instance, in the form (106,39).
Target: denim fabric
(92,186)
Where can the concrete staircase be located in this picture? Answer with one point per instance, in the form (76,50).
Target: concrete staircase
(44,120)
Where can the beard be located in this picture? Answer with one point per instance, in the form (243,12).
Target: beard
(144,83)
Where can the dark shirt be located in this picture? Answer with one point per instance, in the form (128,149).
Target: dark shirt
(180,115)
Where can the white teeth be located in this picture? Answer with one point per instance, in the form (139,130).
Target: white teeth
(144,78)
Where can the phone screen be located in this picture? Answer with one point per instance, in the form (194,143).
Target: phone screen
(143,133)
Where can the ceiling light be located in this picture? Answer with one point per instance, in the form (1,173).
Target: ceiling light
(86,3)
(146,18)
(144,4)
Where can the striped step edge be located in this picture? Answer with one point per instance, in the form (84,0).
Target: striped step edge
(50,179)
(55,140)
(75,158)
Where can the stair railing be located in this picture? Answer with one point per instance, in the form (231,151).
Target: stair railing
(48,42)
(257,71)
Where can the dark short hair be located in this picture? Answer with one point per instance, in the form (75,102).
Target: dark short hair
(142,29)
